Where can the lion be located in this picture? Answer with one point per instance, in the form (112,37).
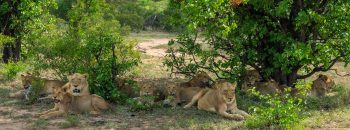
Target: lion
(62,102)
(161,89)
(269,87)
(82,100)
(219,99)
(250,79)
(201,79)
(27,79)
(124,86)
(322,85)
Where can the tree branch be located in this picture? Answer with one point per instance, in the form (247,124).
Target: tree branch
(320,68)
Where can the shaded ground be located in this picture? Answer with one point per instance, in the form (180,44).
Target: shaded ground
(16,114)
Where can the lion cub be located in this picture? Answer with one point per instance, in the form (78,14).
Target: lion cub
(219,99)
(82,100)
(62,102)
(26,79)
(321,85)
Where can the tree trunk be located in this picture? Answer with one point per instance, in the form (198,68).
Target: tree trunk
(12,52)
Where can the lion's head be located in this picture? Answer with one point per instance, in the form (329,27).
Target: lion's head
(171,88)
(250,79)
(327,79)
(60,95)
(78,84)
(227,90)
(26,80)
(201,79)
(146,89)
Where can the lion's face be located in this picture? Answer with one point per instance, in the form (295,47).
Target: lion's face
(252,76)
(146,90)
(325,78)
(26,80)
(227,90)
(78,82)
(58,95)
(171,89)
(201,79)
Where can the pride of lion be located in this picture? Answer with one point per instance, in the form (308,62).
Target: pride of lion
(201,90)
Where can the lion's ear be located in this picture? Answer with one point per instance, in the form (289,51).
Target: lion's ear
(66,87)
(86,76)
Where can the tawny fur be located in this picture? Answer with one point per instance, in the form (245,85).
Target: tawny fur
(322,85)
(221,99)
(250,79)
(83,101)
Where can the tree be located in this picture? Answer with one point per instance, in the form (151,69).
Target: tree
(284,40)
(13,15)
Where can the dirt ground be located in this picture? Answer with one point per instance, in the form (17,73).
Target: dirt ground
(17,115)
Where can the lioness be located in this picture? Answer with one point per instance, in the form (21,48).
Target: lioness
(82,100)
(250,79)
(62,102)
(321,85)
(201,79)
(269,87)
(26,79)
(219,99)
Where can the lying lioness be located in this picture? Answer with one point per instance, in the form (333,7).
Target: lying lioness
(220,99)
(26,79)
(62,102)
(82,100)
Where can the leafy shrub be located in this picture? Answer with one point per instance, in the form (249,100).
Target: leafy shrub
(278,111)
(340,97)
(88,43)
(133,20)
(37,88)
(11,69)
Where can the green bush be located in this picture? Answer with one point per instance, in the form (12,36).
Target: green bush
(278,111)
(133,20)
(11,69)
(36,90)
(88,43)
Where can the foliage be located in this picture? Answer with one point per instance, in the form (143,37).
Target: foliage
(11,69)
(277,38)
(14,14)
(88,43)
(36,91)
(278,111)
(171,17)
(339,97)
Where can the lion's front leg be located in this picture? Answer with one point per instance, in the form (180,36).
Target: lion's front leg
(48,111)
(241,112)
(222,111)
(53,114)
